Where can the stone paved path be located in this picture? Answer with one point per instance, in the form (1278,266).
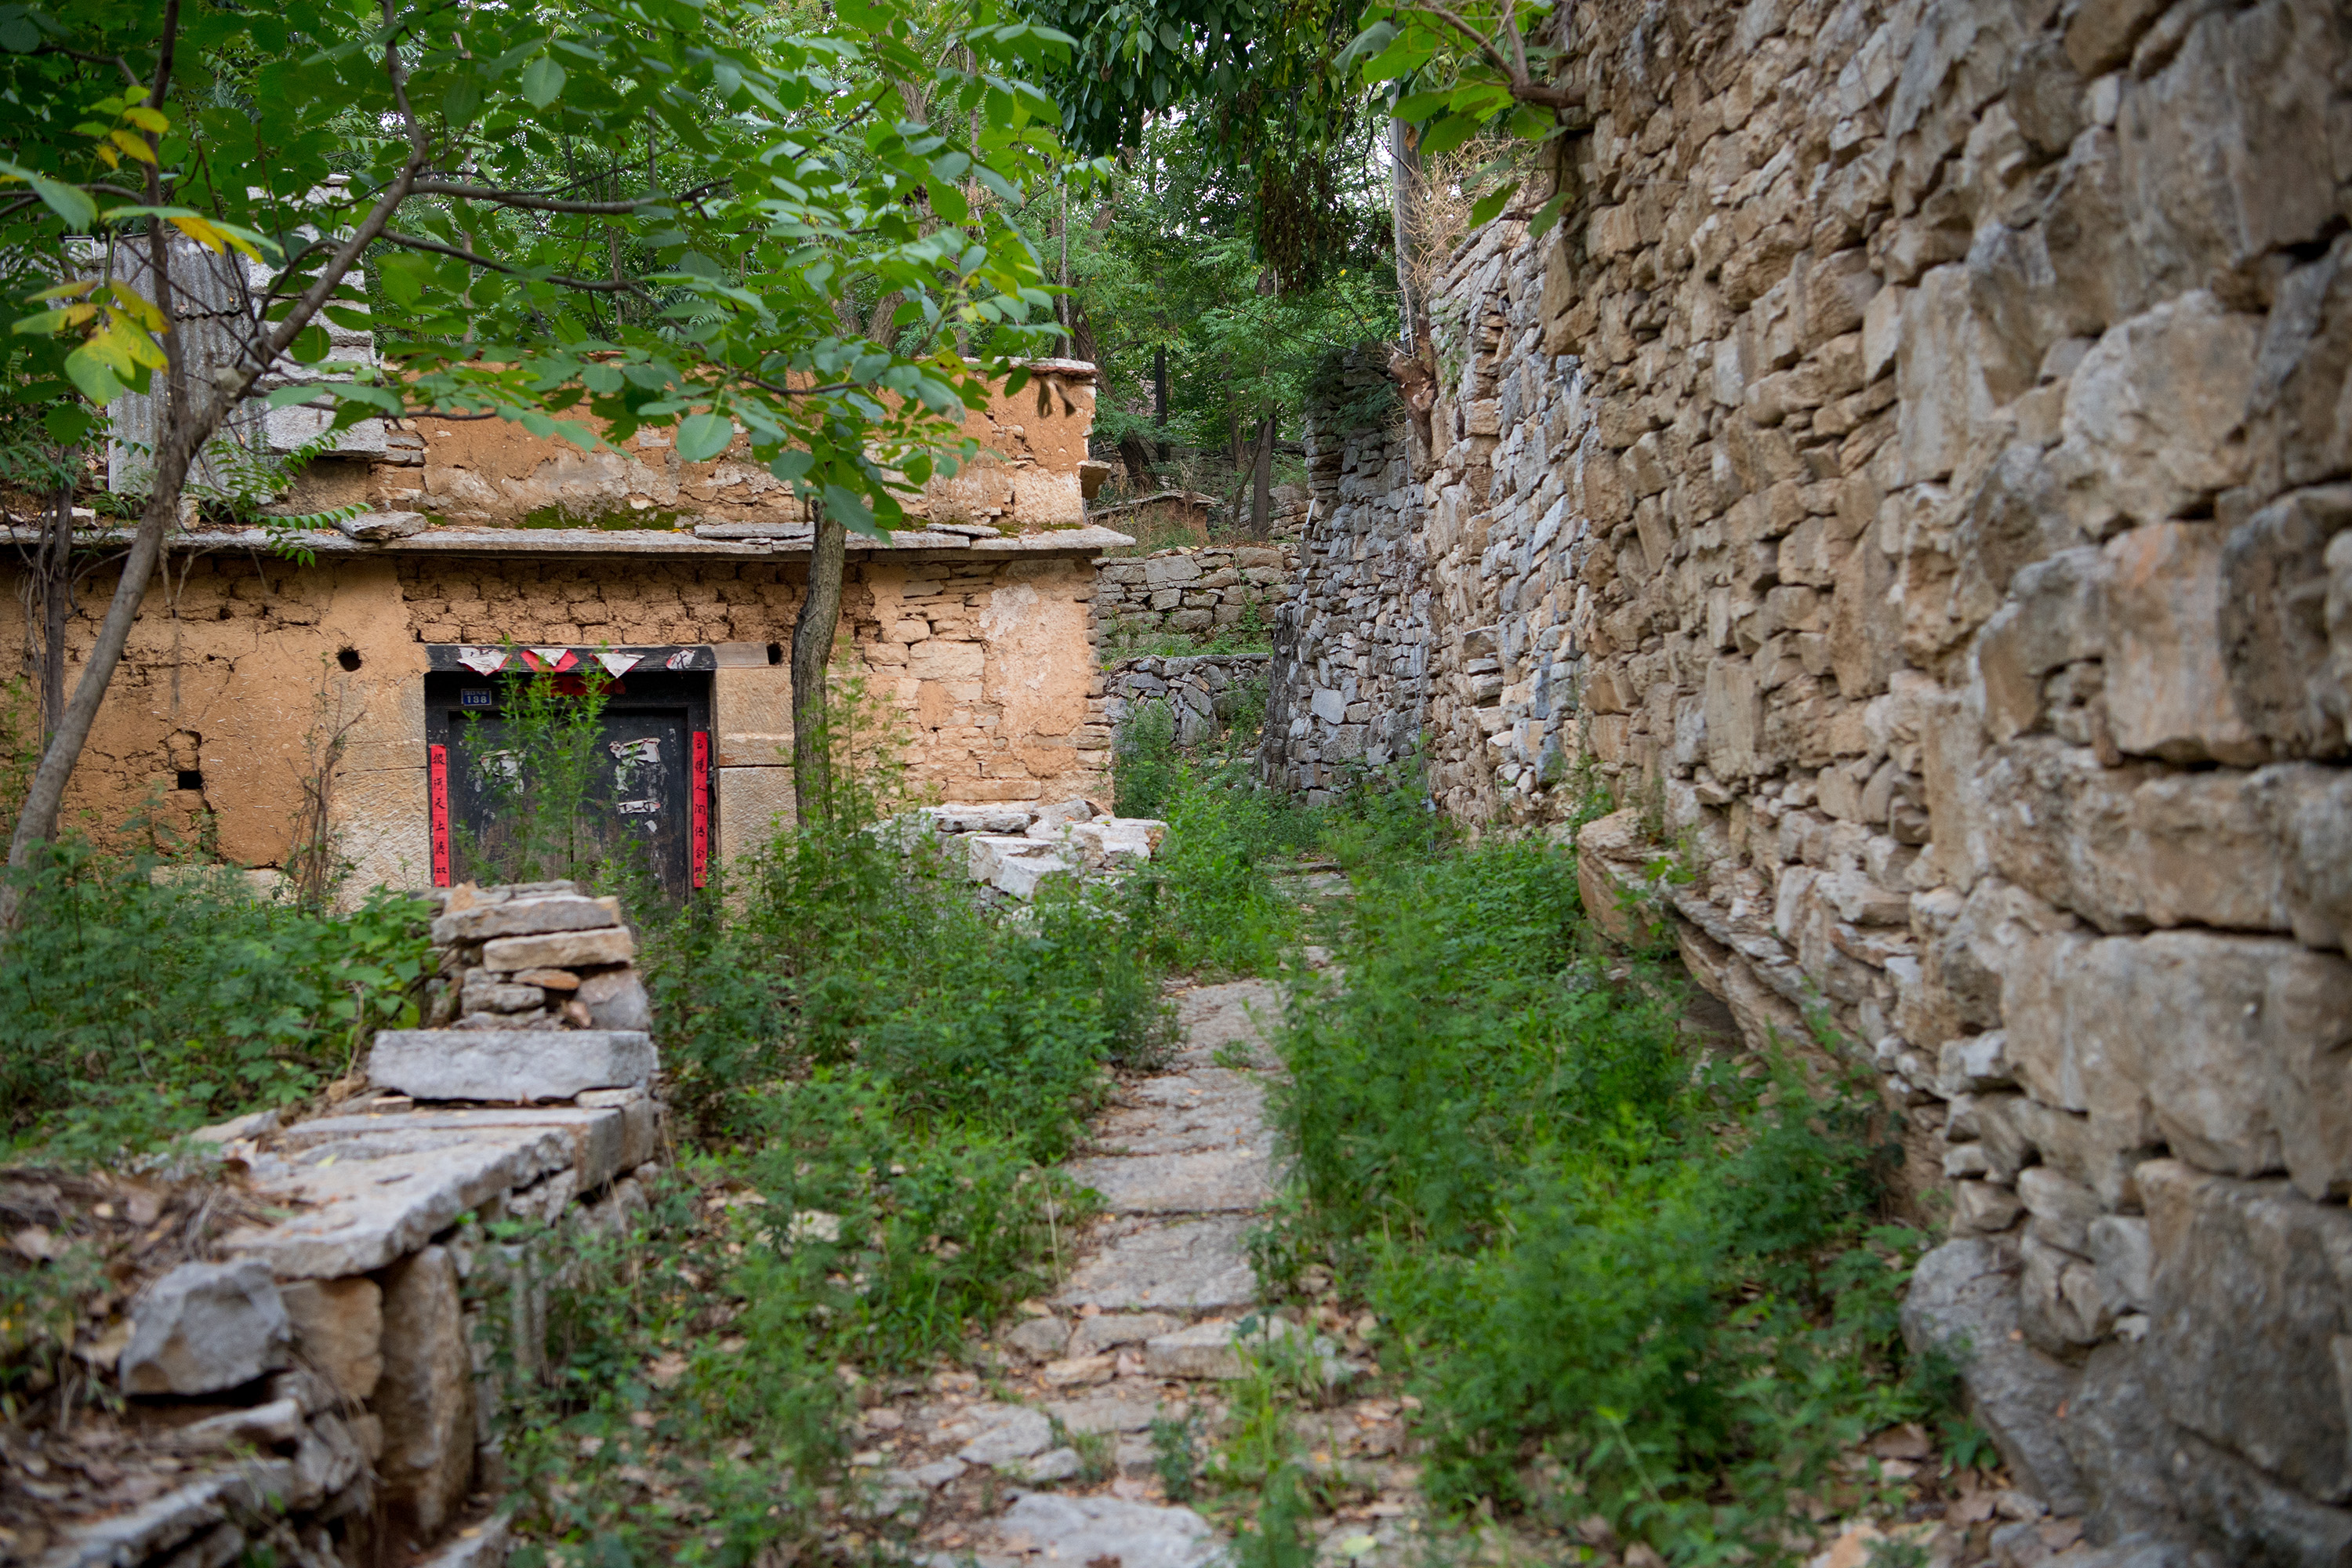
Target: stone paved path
(1141,1328)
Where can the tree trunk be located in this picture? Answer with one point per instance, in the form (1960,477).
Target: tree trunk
(1262,481)
(813,633)
(1160,397)
(1137,455)
(1404,189)
(56,607)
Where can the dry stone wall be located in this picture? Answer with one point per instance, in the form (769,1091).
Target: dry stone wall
(1204,693)
(1914,482)
(1196,592)
(1348,682)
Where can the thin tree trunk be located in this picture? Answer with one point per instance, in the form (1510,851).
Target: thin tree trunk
(1262,481)
(57,606)
(1160,397)
(813,633)
(1404,179)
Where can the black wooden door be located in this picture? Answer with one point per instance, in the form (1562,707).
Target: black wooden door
(638,785)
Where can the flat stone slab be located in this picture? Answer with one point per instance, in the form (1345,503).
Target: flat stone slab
(1006,1433)
(370,1199)
(1197,1266)
(510,1065)
(560,950)
(535,916)
(1210,1181)
(599,1137)
(1045,1527)
(1212,1016)
(1111,1330)
(1109,1410)
(1208,1108)
(1217,1350)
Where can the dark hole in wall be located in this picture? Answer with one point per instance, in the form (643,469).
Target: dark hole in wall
(349,659)
(191,778)
(775,653)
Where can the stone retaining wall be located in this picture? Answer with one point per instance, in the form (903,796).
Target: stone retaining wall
(1206,692)
(356,1350)
(1195,591)
(1913,481)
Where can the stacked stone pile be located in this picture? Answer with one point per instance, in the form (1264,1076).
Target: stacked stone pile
(1205,691)
(1196,590)
(354,1346)
(535,956)
(1014,848)
(1914,479)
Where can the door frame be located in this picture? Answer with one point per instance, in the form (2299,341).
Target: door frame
(680,670)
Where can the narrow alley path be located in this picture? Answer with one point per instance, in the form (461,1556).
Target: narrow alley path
(1057,1461)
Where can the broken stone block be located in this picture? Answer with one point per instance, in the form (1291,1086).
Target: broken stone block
(374,527)
(1111,1330)
(1216,1350)
(1050,820)
(206,1327)
(617,999)
(1963,1300)
(1014,866)
(1204,1181)
(510,1065)
(425,1398)
(339,1329)
(1200,1266)
(1054,1465)
(563,950)
(1077,1529)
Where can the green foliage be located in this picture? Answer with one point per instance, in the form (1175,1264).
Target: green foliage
(538,780)
(726,283)
(1145,768)
(135,1006)
(1653,1276)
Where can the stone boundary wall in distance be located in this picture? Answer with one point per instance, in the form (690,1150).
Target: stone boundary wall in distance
(1916,481)
(1349,679)
(1195,591)
(1205,691)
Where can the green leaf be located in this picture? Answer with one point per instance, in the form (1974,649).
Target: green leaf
(93,376)
(70,203)
(67,422)
(310,345)
(543,81)
(1448,133)
(702,437)
(790,466)
(1484,209)
(463,101)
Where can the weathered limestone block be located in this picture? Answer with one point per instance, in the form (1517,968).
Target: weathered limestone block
(616,1001)
(568,950)
(522,917)
(339,1329)
(2237,1051)
(2168,690)
(203,1328)
(2250,1284)
(2156,414)
(425,1398)
(2274,623)
(508,1065)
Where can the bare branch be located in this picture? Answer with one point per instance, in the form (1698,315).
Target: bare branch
(412,242)
(530,202)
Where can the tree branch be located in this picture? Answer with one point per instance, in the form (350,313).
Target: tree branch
(412,242)
(530,202)
(1517,78)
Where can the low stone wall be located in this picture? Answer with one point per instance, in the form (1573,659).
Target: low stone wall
(1206,692)
(1193,591)
(356,1349)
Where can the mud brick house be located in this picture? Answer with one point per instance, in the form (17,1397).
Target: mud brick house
(486,551)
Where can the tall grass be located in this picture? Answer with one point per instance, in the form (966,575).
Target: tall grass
(1622,1277)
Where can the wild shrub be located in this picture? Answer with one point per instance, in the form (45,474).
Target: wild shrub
(134,1008)
(1145,766)
(1618,1278)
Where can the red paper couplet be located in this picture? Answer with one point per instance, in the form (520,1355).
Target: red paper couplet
(437,792)
(699,808)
